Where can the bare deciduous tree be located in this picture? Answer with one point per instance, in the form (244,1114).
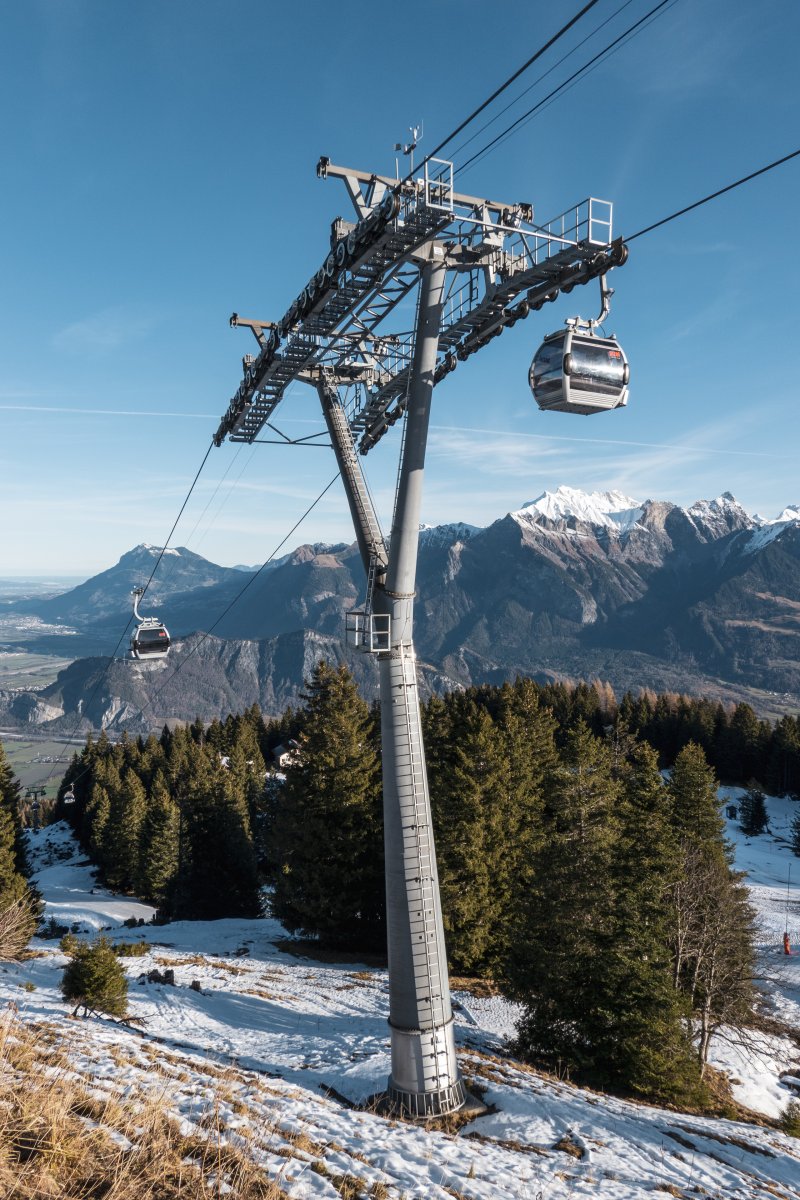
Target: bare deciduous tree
(713,944)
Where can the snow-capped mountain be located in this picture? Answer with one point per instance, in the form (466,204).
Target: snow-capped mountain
(438,535)
(617,512)
(577,584)
(610,509)
(721,516)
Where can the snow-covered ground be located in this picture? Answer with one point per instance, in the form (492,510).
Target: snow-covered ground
(278,1048)
(773,876)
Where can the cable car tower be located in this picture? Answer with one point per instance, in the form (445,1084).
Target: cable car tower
(476,267)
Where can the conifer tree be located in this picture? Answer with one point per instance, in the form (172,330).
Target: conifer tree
(152,760)
(783,766)
(13,886)
(753,816)
(516,827)
(247,767)
(188,768)
(158,844)
(10,789)
(467,790)
(95,981)
(121,838)
(650,1051)
(693,792)
(795,830)
(96,820)
(558,959)
(223,877)
(741,748)
(18,904)
(327,832)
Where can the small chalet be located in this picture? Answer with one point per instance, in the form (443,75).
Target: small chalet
(284,756)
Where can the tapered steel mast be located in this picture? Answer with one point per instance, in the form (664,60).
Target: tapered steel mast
(476,267)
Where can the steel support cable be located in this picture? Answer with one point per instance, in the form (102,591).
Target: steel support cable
(540,78)
(177,519)
(214,495)
(170,570)
(713,196)
(629,33)
(92,695)
(122,636)
(503,87)
(224,613)
(225,499)
(242,590)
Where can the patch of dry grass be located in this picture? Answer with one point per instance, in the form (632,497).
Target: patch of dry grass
(483,988)
(62,1140)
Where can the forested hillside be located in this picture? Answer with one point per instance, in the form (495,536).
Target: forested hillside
(571,873)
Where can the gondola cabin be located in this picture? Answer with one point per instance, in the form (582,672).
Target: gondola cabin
(150,640)
(576,371)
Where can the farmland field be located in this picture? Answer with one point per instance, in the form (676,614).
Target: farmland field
(32,759)
(21,670)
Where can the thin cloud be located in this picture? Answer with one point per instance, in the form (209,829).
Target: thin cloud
(102,333)
(496,453)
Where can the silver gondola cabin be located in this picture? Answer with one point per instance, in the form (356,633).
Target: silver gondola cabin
(577,371)
(150,638)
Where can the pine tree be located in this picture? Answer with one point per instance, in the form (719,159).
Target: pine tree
(783,767)
(152,760)
(741,748)
(18,904)
(247,768)
(693,792)
(95,821)
(795,830)
(95,981)
(467,788)
(218,876)
(650,1052)
(558,959)
(516,827)
(753,816)
(327,832)
(121,837)
(158,844)
(10,789)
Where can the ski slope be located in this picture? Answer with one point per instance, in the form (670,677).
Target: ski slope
(282,1051)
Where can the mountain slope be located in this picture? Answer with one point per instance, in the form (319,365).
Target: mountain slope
(278,1054)
(641,593)
(107,596)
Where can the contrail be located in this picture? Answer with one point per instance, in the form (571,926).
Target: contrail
(551,437)
(103,412)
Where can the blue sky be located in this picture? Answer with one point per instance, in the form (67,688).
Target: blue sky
(159,173)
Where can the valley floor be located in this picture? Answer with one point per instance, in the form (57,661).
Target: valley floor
(269,1054)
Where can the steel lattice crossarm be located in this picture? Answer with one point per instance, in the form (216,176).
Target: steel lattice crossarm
(500,267)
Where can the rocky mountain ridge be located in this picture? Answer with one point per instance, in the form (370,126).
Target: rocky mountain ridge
(573,584)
